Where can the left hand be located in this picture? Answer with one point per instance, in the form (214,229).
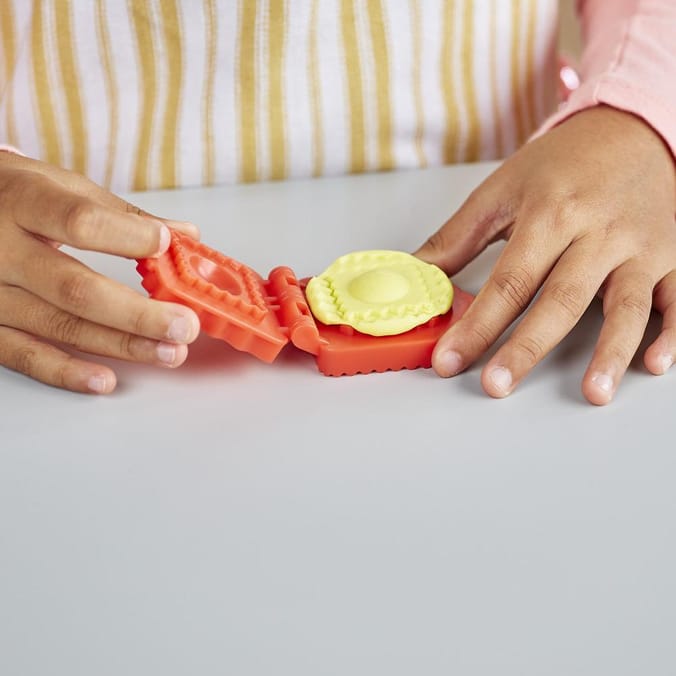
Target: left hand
(589,206)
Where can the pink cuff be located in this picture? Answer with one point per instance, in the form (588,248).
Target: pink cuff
(613,91)
(10,149)
(629,63)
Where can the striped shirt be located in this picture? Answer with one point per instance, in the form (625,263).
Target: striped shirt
(141,94)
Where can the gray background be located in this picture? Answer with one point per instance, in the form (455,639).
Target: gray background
(234,517)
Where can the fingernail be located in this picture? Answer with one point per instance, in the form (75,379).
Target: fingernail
(98,384)
(449,363)
(604,382)
(666,361)
(165,239)
(183,225)
(166,353)
(502,379)
(180,330)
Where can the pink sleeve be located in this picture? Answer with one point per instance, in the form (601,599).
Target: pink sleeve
(629,62)
(10,149)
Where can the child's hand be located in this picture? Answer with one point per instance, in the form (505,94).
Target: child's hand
(589,206)
(47,295)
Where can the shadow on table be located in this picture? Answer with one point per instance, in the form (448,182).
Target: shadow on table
(572,357)
(565,366)
(210,354)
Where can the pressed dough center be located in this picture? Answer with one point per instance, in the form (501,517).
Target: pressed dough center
(379,286)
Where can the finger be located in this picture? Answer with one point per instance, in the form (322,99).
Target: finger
(26,312)
(626,308)
(661,354)
(186,227)
(52,366)
(73,287)
(568,291)
(478,222)
(103,196)
(77,183)
(520,270)
(41,206)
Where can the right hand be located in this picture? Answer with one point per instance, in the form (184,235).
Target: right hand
(47,296)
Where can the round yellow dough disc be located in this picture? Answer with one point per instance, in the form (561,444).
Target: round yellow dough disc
(380,293)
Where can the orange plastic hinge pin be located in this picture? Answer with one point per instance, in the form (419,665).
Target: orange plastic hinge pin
(293,311)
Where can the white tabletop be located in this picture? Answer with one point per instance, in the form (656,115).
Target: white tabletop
(238,518)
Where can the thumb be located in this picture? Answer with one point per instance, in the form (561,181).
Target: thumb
(476,224)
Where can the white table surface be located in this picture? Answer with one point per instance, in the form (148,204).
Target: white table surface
(238,518)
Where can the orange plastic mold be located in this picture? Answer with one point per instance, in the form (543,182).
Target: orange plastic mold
(345,351)
(259,316)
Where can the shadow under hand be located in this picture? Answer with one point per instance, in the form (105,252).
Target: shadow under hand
(565,365)
(570,358)
(208,354)
(651,332)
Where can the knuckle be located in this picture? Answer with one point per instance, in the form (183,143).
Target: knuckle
(133,209)
(482,334)
(65,327)
(60,377)
(127,346)
(568,296)
(515,286)
(18,187)
(13,184)
(561,212)
(618,353)
(142,321)
(436,243)
(569,209)
(80,222)
(610,229)
(531,348)
(25,360)
(75,292)
(635,305)
(10,255)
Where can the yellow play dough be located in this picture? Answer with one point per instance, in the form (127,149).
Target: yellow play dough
(380,293)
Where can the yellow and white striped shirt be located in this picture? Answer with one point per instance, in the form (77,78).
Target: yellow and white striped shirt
(142,94)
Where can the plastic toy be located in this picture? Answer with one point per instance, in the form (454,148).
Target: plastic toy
(260,316)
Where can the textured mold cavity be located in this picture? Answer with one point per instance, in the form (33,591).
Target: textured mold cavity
(215,274)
